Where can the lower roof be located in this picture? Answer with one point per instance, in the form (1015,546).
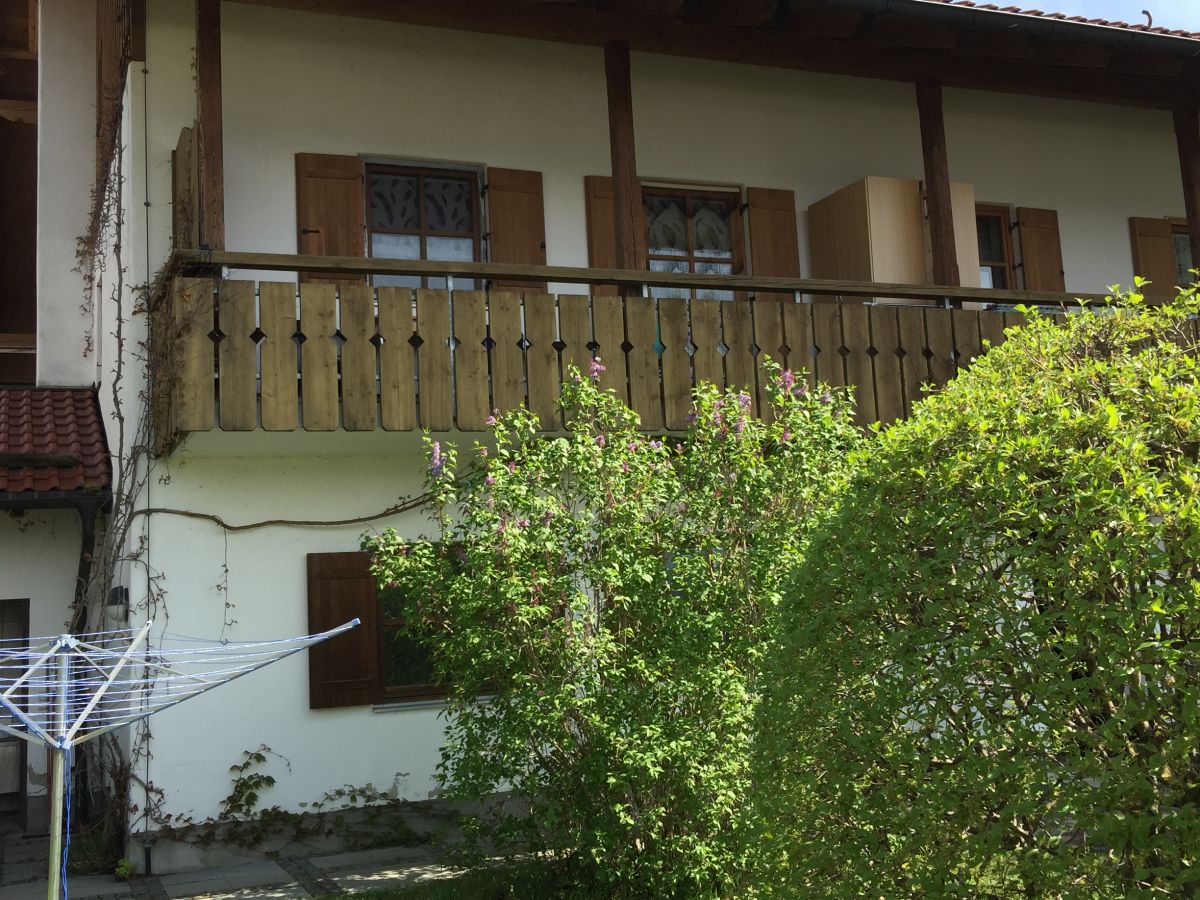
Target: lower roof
(53,451)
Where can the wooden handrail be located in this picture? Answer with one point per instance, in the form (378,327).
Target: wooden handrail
(354,265)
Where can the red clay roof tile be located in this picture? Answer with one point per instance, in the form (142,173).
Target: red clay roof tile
(53,422)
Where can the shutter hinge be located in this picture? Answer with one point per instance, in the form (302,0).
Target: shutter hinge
(483,189)
(486,236)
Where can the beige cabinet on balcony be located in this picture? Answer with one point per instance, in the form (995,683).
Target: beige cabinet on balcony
(875,230)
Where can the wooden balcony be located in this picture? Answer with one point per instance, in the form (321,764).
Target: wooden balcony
(242,355)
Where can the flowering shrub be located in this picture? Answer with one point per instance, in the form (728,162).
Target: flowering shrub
(989,683)
(601,602)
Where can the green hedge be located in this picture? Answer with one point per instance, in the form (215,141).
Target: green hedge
(989,682)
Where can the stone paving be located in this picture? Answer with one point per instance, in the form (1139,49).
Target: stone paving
(22,876)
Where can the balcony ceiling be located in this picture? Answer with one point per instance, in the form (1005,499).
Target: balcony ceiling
(964,45)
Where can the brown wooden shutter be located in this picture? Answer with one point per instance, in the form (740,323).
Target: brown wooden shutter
(774,244)
(1041,250)
(1154,255)
(343,671)
(516,223)
(602,238)
(330,214)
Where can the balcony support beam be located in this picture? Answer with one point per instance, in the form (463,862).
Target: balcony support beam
(208,115)
(627,198)
(937,182)
(1187,136)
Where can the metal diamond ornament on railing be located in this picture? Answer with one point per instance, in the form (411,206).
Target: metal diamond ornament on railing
(60,692)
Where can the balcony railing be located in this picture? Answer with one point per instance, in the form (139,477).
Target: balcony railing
(242,355)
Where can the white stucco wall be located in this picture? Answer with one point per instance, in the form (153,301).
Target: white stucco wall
(262,573)
(299,82)
(66,173)
(39,558)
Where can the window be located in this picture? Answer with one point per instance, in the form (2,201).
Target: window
(1182,246)
(405,664)
(373,663)
(693,230)
(422,213)
(994,227)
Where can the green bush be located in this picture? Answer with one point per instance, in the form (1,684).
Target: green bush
(601,602)
(989,677)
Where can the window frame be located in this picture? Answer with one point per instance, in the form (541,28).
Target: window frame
(423,171)
(385,693)
(1180,227)
(690,192)
(1004,213)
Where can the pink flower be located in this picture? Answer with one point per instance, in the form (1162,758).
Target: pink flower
(436,463)
(490,420)
(600,441)
(656,445)
(483,452)
(490,480)
(744,401)
(786,379)
(595,368)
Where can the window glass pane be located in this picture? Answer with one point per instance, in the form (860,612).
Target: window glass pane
(395,246)
(453,249)
(991,238)
(670,265)
(710,221)
(1183,258)
(449,204)
(714,268)
(405,661)
(394,201)
(666,226)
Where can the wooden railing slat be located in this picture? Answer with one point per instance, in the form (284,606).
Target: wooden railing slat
(827,336)
(706,341)
(940,336)
(278,357)
(541,358)
(914,366)
(433,359)
(508,361)
(991,328)
(397,397)
(236,356)
(739,341)
(608,330)
(798,338)
(193,308)
(358,358)
(575,331)
(470,360)
(889,377)
(767,313)
(641,322)
(860,369)
(967,342)
(318,357)
(676,364)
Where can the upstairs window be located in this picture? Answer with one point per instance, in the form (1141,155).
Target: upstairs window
(1182,246)
(693,231)
(994,227)
(422,213)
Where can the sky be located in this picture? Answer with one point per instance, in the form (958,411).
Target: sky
(1168,13)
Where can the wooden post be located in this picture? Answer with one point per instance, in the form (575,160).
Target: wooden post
(208,114)
(1187,136)
(937,182)
(627,199)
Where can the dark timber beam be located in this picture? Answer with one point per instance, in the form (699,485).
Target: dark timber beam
(627,200)
(937,182)
(1187,136)
(208,115)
